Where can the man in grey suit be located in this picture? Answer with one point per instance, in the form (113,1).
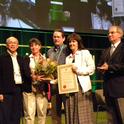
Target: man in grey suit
(57,53)
(112,66)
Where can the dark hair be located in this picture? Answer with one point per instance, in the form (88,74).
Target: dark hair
(60,30)
(34,40)
(75,36)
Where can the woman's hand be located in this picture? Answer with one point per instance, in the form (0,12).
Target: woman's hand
(37,77)
(74,69)
(40,77)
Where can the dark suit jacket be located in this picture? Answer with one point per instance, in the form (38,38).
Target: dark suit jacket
(114,78)
(7,83)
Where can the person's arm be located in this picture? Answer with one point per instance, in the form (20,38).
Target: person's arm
(102,65)
(26,72)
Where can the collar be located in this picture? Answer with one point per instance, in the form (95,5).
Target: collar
(57,48)
(72,55)
(12,54)
(115,44)
(32,56)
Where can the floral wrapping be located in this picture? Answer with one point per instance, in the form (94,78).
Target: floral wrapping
(48,69)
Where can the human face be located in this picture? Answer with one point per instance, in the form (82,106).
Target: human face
(58,39)
(35,48)
(12,44)
(113,35)
(73,44)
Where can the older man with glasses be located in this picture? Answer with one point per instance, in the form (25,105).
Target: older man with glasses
(112,67)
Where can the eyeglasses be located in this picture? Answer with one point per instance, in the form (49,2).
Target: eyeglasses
(112,32)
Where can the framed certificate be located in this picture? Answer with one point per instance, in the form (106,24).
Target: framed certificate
(67,80)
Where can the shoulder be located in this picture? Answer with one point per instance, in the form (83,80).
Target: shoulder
(85,51)
(4,55)
(65,47)
(20,57)
(51,50)
(122,44)
(26,58)
(23,60)
(122,48)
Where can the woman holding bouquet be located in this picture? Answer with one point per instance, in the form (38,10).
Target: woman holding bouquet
(36,100)
(79,105)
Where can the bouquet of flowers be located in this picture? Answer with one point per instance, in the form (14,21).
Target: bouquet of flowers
(46,67)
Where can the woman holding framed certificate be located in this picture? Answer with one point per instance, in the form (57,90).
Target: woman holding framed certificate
(79,104)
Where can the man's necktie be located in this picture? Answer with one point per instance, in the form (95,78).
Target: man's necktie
(112,49)
(57,48)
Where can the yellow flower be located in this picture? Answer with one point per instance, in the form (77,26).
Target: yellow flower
(46,67)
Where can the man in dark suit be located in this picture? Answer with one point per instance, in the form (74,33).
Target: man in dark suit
(112,66)
(14,75)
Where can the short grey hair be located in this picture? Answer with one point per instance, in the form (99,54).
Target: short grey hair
(11,38)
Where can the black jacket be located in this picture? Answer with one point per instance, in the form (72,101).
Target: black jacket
(7,83)
(114,77)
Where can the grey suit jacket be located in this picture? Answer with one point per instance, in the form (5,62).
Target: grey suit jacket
(58,55)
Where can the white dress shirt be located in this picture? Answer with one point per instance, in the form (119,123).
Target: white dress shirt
(16,68)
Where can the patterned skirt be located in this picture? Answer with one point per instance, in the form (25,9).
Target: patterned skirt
(79,108)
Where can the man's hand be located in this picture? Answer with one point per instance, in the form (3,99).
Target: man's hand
(1,97)
(103,68)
